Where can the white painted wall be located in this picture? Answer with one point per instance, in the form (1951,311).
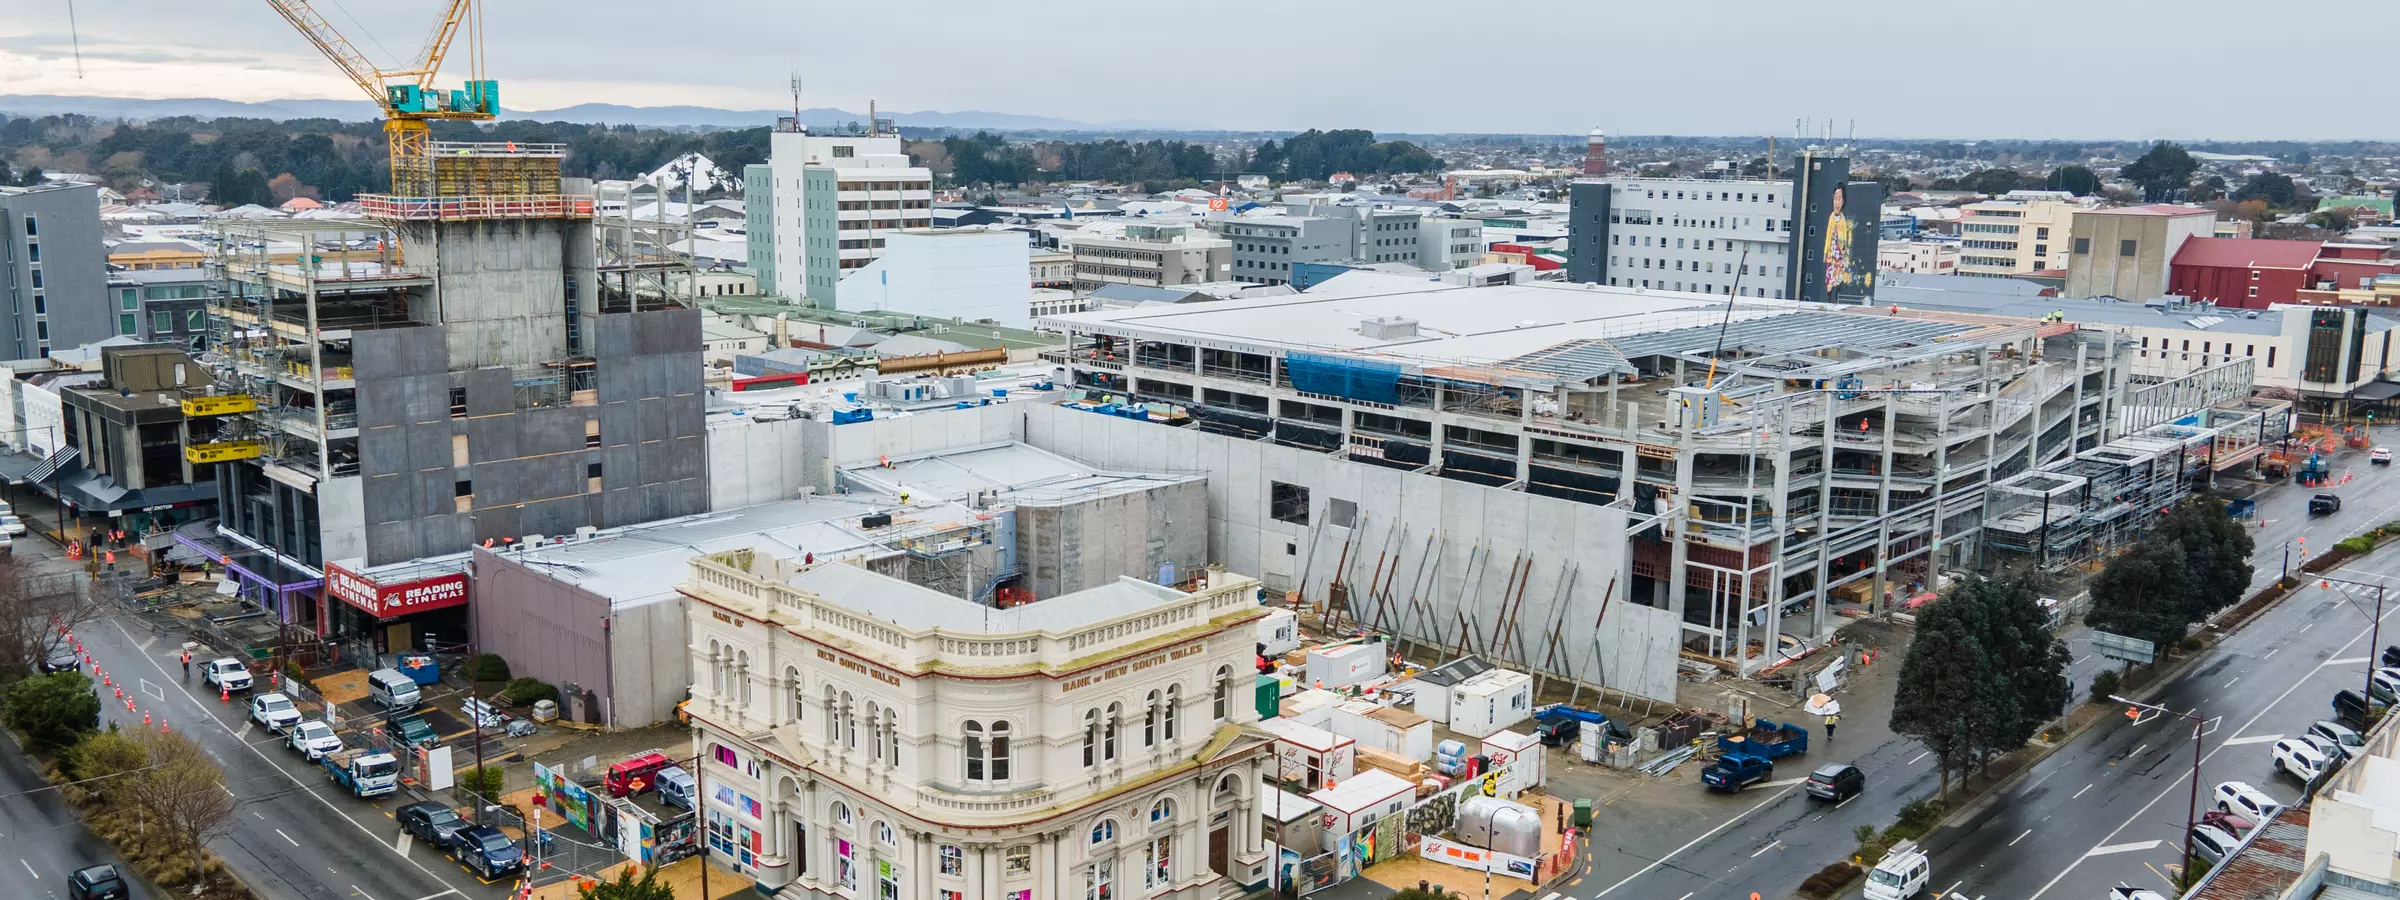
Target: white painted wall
(951,273)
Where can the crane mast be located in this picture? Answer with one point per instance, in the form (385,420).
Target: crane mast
(406,95)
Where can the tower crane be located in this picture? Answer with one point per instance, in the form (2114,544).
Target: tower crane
(409,100)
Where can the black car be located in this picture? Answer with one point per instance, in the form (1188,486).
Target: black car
(2324,505)
(432,823)
(488,852)
(96,883)
(2391,655)
(2350,708)
(61,658)
(1557,732)
(1836,781)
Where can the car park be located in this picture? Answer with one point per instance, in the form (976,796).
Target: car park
(314,739)
(2212,844)
(226,673)
(1836,782)
(437,825)
(275,711)
(101,882)
(2299,759)
(2337,734)
(2240,798)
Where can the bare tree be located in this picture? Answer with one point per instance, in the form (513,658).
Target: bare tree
(183,791)
(34,606)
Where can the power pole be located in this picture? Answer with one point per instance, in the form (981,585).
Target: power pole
(2191,811)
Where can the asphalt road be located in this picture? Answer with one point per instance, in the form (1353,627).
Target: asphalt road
(2110,808)
(41,835)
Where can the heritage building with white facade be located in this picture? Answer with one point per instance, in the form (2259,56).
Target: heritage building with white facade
(863,737)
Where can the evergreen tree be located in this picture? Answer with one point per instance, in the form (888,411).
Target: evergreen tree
(2144,594)
(2163,170)
(2075,179)
(2216,553)
(1947,684)
(2030,660)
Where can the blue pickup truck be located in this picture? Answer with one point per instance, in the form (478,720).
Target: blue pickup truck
(1766,739)
(1735,771)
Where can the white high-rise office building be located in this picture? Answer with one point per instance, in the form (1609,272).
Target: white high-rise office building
(834,197)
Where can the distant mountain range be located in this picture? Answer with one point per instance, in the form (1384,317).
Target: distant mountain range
(590,113)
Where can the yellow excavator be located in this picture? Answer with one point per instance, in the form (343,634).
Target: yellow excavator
(410,101)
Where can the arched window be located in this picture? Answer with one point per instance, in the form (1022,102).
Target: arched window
(716,668)
(874,730)
(741,670)
(1150,720)
(1221,696)
(1171,712)
(1229,789)
(1091,737)
(1104,831)
(791,689)
(974,750)
(884,834)
(1108,731)
(1163,810)
(833,718)
(999,767)
(849,722)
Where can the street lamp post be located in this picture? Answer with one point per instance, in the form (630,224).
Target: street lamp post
(2191,811)
(2374,628)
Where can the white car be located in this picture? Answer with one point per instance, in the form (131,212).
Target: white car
(2212,843)
(10,524)
(314,739)
(2380,456)
(2128,892)
(275,711)
(2239,798)
(227,673)
(2384,685)
(2300,759)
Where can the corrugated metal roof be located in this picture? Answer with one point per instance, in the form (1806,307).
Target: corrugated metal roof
(1792,333)
(2266,865)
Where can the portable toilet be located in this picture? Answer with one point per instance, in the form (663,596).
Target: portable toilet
(1490,702)
(1269,696)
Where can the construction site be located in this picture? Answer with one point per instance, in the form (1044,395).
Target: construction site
(1695,485)
(480,360)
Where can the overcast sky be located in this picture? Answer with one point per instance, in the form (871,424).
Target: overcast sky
(2187,69)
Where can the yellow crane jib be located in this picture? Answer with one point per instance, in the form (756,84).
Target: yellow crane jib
(406,94)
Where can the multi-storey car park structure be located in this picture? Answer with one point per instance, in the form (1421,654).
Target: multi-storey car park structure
(480,363)
(1798,456)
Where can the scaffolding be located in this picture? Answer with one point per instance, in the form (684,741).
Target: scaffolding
(640,265)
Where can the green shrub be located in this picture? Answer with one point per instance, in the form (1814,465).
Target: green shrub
(1917,818)
(2191,642)
(2105,683)
(2388,529)
(488,667)
(1828,880)
(527,691)
(2360,544)
(487,782)
(54,711)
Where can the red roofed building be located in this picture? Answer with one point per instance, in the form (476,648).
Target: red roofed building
(2239,272)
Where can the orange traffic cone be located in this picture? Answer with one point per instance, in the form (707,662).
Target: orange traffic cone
(106,681)
(120,693)
(145,718)
(224,694)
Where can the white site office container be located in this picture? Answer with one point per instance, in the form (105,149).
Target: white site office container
(1307,756)
(1490,702)
(1346,665)
(1518,758)
(1385,728)
(1278,633)
(1431,690)
(1358,803)
(1312,707)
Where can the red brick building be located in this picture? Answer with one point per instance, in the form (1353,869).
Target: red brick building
(2242,273)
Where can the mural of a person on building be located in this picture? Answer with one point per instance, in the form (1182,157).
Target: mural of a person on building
(1839,233)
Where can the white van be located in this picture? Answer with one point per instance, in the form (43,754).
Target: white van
(392,689)
(1903,873)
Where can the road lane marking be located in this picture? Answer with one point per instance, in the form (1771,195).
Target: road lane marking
(354,889)
(1766,848)
(2162,794)
(1788,782)
(2229,682)
(2253,739)
(1846,801)
(1920,756)
(1645,870)
(2106,849)
(2137,751)
(2271,653)
(37,876)
(304,787)
(402,845)
(2020,837)
(2352,661)
(287,838)
(1953,886)
(1687,895)
(2079,794)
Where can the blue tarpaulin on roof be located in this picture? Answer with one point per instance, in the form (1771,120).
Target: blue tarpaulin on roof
(1346,377)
